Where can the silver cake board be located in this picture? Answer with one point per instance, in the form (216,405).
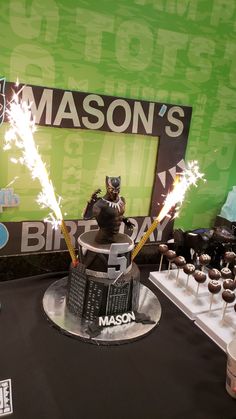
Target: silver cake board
(186,299)
(220,331)
(54,305)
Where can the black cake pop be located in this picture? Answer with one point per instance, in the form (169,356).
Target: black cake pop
(229,257)
(200,277)
(179,262)
(204,259)
(188,269)
(163,248)
(228,297)
(226,273)
(214,288)
(214,274)
(229,284)
(170,255)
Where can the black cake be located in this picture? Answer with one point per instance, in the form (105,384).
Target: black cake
(106,281)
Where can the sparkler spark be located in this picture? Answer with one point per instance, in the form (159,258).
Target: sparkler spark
(182,183)
(22,128)
(12,181)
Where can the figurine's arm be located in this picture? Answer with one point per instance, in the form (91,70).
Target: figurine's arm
(126,220)
(88,211)
(94,196)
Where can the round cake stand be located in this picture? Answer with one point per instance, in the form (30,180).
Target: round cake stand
(54,304)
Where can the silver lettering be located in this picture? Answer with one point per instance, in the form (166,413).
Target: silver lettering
(93,111)
(123,104)
(67,101)
(36,235)
(139,114)
(177,122)
(113,259)
(103,321)
(45,103)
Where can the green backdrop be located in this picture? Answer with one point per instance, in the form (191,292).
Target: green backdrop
(175,51)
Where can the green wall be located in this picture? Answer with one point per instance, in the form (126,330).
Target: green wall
(175,51)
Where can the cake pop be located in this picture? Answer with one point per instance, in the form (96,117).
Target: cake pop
(188,269)
(226,273)
(170,255)
(228,297)
(214,274)
(229,257)
(214,287)
(204,259)
(200,277)
(179,261)
(229,284)
(163,248)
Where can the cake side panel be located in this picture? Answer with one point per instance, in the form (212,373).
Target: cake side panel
(106,283)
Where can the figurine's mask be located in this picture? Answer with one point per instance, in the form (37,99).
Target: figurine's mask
(113,186)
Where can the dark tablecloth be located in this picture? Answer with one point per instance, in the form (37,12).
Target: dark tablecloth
(174,372)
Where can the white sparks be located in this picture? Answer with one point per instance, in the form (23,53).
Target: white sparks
(13,160)
(12,181)
(21,134)
(184,180)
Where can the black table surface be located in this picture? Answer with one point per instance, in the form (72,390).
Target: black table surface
(174,372)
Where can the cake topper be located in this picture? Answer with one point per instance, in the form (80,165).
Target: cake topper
(108,211)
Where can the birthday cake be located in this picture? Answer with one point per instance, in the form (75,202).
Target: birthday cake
(105,284)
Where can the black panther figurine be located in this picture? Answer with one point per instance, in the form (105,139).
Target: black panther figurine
(108,211)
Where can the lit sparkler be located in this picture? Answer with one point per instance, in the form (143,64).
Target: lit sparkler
(182,182)
(21,134)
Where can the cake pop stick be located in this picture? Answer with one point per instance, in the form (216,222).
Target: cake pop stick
(188,269)
(214,287)
(228,297)
(234,271)
(200,277)
(179,262)
(163,248)
(170,255)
